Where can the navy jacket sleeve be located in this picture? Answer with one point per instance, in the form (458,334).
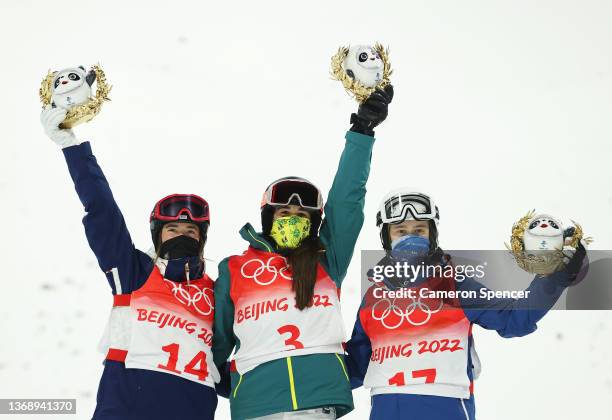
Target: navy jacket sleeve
(513,317)
(358,353)
(126,267)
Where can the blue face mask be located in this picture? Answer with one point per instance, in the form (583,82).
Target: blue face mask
(411,245)
(411,249)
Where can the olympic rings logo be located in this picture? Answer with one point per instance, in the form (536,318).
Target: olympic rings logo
(406,313)
(264,273)
(200,298)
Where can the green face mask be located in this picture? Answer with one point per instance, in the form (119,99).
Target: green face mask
(290,231)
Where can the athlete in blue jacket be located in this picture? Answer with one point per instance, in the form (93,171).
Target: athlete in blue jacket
(158,361)
(415,351)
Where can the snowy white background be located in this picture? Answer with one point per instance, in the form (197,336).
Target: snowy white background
(500,107)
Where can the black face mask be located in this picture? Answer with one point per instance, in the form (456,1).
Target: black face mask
(179,247)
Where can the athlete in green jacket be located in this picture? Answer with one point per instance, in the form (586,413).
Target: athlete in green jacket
(277,304)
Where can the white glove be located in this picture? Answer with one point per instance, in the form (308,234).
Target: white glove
(50,118)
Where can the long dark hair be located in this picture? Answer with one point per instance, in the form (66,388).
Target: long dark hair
(303,262)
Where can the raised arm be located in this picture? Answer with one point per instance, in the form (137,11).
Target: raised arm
(126,268)
(344,207)
(518,317)
(514,317)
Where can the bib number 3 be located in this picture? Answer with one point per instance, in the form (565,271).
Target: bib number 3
(294,334)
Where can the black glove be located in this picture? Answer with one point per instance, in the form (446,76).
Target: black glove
(575,263)
(224,387)
(569,232)
(437,256)
(372,112)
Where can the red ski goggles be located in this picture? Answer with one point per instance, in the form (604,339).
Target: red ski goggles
(181,207)
(289,191)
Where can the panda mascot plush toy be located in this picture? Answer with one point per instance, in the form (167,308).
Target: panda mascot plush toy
(72,87)
(544,233)
(364,64)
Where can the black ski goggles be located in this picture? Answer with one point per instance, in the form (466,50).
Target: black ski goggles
(293,191)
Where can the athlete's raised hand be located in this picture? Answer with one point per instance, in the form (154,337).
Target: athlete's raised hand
(373,111)
(51,118)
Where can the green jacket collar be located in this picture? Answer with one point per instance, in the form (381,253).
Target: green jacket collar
(255,239)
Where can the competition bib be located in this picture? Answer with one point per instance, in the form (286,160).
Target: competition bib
(170,328)
(419,345)
(266,321)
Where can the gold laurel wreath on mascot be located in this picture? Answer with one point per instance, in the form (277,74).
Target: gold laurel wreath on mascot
(542,262)
(83,112)
(353,85)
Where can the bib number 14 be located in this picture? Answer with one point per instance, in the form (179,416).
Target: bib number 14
(196,366)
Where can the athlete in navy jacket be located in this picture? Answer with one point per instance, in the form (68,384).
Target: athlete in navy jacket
(416,353)
(159,335)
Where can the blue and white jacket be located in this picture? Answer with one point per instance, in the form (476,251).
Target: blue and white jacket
(420,345)
(129,393)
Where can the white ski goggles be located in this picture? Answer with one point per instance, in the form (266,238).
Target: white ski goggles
(408,207)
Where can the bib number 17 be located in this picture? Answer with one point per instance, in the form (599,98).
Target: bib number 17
(399,379)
